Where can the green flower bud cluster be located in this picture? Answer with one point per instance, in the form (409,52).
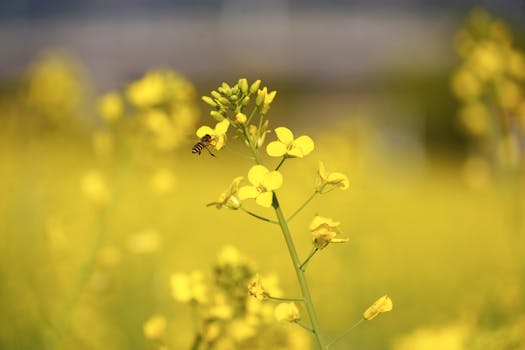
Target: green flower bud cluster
(230,101)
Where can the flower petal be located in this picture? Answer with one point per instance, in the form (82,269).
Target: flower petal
(322,171)
(284,135)
(305,143)
(256,174)
(276,149)
(264,199)
(220,141)
(248,192)
(273,180)
(296,152)
(338,179)
(205,130)
(222,127)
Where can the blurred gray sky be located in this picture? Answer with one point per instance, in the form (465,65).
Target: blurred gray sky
(332,41)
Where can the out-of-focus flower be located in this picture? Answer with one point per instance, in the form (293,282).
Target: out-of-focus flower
(287,312)
(465,85)
(324,231)
(256,289)
(218,134)
(162,181)
(287,145)
(230,255)
(155,327)
(383,304)
(241,330)
(189,287)
(263,183)
(111,107)
(450,337)
(475,118)
(147,91)
(220,308)
(230,197)
(144,242)
(329,181)
(95,188)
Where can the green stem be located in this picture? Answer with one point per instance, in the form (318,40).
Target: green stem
(258,216)
(82,279)
(302,206)
(341,336)
(280,163)
(285,299)
(312,253)
(302,325)
(300,274)
(251,115)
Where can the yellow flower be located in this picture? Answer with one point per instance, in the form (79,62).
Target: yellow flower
(287,312)
(256,289)
(383,304)
(188,287)
(229,198)
(241,118)
(155,327)
(325,231)
(465,85)
(329,181)
(475,118)
(95,188)
(264,182)
(287,145)
(111,107)
(147,91)
(218,134)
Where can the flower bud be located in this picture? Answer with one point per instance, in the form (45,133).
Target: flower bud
(241,118)
(217,115)
(246,100)
(261,95)
(215,94)
(255,86)
(208,100)
(287,312)
(243,85)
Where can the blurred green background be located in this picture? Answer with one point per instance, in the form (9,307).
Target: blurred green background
(421,105)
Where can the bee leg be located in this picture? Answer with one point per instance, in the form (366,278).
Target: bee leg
(207,149)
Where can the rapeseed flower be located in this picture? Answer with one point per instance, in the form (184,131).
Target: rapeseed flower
(383,304)
(111,107)
(229,198)
(155,327)
(218,134)
(256,289)
(325,231)
(329,181)
(95,187)
(188,287)
(264,182)
(288,146)
(287,312)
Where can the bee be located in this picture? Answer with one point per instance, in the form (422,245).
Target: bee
(203,143)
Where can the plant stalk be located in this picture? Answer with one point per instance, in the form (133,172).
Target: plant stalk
(300,274)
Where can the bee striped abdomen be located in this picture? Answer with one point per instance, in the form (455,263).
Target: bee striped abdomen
(199,146)
(203,143)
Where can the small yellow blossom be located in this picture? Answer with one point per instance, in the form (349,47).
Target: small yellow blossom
(475,118)
(287,312)
(111,107)
(263,183)
(155,327)
(229,198)
(383,304)
(95,188)
(328,181)
(241,118)
(287,145)
(188,287)
(256,289)
(220,308)
(231,256)
(147,91)
(325,231)
(465,85)
(218,134)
